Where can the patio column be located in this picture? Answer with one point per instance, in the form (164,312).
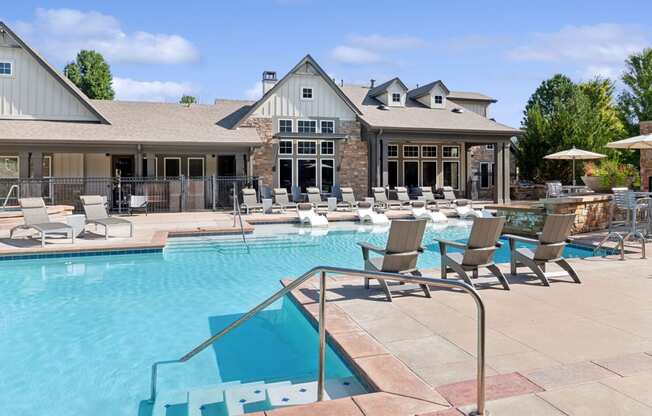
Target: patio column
(37,165)
(500,167)
(23,165)
(507,175)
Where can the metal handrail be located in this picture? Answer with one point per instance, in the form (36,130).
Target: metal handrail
(322,271)
(236,209)
(11,189)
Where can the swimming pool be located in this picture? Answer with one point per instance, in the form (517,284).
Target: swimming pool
(78,335)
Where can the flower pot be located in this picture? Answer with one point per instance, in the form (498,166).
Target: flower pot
(597,184)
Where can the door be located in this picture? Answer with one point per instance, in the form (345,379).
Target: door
(123,166)
(410,174)
(226,165)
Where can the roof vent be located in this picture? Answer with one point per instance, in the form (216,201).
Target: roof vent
(458,110)
(372,82)
(383,107)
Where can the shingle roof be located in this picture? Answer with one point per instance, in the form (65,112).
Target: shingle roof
(415,116)
(143,122)
(465,95)
(376,91)
(425,89)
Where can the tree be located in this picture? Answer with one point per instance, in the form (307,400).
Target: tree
(187,99)
(91,74)
(561,114)
(635,102)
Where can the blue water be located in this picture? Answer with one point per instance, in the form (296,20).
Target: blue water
(78,335)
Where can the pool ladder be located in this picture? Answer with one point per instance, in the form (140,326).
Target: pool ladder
(322,271)
(4,204)
(236,211)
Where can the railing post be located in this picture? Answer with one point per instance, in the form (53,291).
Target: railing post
(214,190)
(322,335)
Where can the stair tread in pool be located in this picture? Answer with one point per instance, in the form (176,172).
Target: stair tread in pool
(197,398)
(168,398)
(304,393)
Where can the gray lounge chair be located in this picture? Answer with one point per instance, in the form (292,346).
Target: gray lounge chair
(96,214)
(549,248)
(348,199)
(381,200)
(250,201)
(282,200)
(35,215)
(427,195)
(400,255)
(403,197)
(314,197)
(450,199)
(478,251)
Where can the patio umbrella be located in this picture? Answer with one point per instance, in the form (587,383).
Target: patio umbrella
(574,154)
(638,142)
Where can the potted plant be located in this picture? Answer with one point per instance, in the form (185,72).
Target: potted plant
(609,174)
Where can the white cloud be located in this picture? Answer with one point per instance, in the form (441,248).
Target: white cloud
(255,92)
(132,90)
(377,42)
(602,71)
(596,44)
(352,55)
(61,33)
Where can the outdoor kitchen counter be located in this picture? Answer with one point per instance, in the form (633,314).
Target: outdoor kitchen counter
(527,218)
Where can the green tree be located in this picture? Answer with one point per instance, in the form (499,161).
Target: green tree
(91,74)
(635,102)
(188,99)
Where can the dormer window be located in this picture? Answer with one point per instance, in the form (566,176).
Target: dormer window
(6,68)
(396,97)
(306,93)
(439,99)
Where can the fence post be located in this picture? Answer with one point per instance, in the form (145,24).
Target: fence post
(182,193)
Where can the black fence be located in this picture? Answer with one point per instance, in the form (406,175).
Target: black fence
(164,194)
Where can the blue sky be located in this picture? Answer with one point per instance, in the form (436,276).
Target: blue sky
(218,49)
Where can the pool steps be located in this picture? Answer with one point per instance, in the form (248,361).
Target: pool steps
(235,398)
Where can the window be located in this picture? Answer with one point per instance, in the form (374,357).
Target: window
(439,99)
(306,93)
(490,146)
(6,69)
(396,97)
(392,150)
(172,166)
(428,151)
(327,127)
(47,166)
(285,126)
(285,147)
(285,174)
(327,148)
(307,126)
(451,174)
(411,174)
(9,167)
(305,147)
(392,173)
(195,167)
(149,167)
(428,173)
(451,151)
(306,173)
(486,175)
(410,151)
(327,175)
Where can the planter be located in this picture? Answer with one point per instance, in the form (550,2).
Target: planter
(596,184)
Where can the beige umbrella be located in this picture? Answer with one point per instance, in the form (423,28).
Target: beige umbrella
(638,142)
(574,154)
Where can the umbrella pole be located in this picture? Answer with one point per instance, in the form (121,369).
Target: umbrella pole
(573,171)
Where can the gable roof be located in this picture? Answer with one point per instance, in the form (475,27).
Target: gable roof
(471,96)
(307,59)
(425,89)
(64,81)
(376,91)
(414,116)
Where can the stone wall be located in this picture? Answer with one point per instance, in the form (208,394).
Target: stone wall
(263,157)
(527,193)
(646,158)
(478,154)
(591,213)
(353,158)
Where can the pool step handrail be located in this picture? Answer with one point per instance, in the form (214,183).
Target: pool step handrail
(322,271)
(11,189)
(236,211)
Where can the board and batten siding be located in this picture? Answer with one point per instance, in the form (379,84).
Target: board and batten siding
(474,106)
(33,93)
(287,102)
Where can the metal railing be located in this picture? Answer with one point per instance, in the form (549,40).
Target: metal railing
(323,271)
(236,211)
(11,190)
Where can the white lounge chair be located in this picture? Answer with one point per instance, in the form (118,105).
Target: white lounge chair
(250,201)
(403,197)
(420,212)
(366,214)
(35,215)
(95,211)
(381,200)
(308,216)
(464,210)
(427,195)
(314,197)
(282,200)
(348,199)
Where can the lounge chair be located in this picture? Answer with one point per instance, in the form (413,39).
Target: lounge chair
(421,212)
(307,215)
(366,214)
(478,251)
(281,199)
(95,211)
(464,210)
(314,197)
(554,189)
(549,248)
(250,201)
(403,197)
(427,195)
(381,199)
(35,216)
(348,199)
(138,202)
(400,255)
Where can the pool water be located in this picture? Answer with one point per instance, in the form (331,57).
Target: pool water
(78,335)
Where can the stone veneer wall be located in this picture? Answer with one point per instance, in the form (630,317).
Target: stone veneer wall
(646,157)
(352,156)
(589,215)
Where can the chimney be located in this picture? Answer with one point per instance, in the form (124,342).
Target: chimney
(371,83)
(269,80)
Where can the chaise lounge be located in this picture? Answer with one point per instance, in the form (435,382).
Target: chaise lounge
(282,200)
(35,215)
(96,214)
(381,199)
(366,214)
(307,215)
